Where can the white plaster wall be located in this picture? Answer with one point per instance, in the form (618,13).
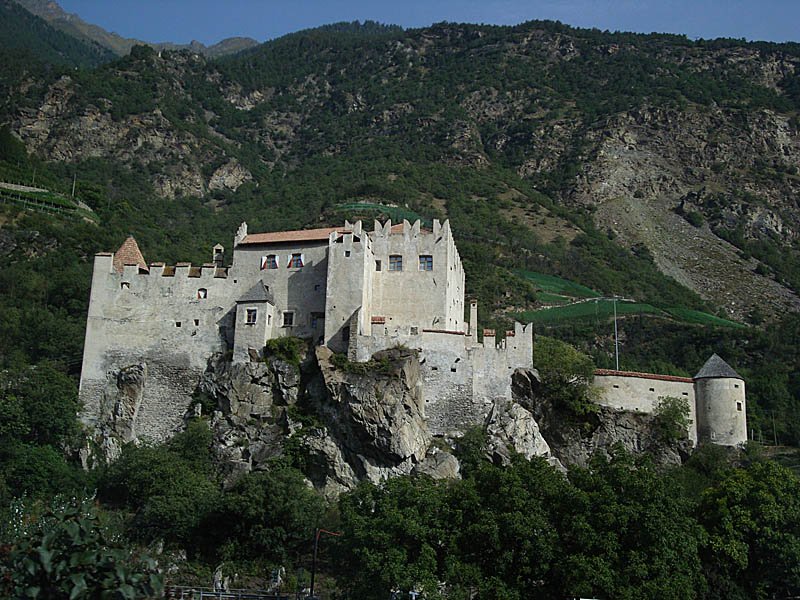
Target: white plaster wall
(137,324)
(722,411)
(301,290)
(411,297)
(252,335)
(349,287)
(640,394)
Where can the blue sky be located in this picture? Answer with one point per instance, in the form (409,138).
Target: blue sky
(212,20)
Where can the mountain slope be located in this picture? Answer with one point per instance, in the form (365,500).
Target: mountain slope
(23,34)
(74,26)
(604,125)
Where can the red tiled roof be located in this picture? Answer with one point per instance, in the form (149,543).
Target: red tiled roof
(129,254)
(302,235)
(613,373)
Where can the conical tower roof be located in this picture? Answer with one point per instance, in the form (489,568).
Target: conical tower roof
(129,254)
(715,367)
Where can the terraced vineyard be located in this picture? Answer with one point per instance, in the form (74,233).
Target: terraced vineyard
(570,301)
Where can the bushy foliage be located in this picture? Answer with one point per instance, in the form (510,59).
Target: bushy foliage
(64,551)
(672,418)
(566,374)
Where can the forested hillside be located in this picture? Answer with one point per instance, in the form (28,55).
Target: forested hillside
(651,167)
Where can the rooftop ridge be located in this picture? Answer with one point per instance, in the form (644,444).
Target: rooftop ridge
(640,375)
(715,367)
(129,254)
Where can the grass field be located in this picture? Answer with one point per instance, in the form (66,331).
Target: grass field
(557,291)
(591,310)
(556,285)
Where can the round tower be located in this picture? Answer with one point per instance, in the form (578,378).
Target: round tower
(721,409)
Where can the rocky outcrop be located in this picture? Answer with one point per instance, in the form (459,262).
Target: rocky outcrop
(574,440)
(229,176)
(376,411)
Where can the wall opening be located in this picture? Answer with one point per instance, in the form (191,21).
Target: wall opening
(177,323)
(202,294)
(251,316)
(377,265)
(269,262)
(739,406)
(288,318)
(125,285)
(197,322)
(395,262)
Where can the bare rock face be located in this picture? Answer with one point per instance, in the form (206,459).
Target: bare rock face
(438,464)
(122,399)
(327,467)
(229,176)
(378,416)
(512,428)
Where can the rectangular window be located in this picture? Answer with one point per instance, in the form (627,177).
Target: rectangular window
(395,262)
(269,262)
(316,318)
(252,315)
(425,262)
(288,319)
(347,253)
(739,406)
(296,262)
(377,265)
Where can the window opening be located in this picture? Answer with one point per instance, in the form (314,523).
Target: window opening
(652,389)
(347,253)
(202,294)
(288,319)
(425,262)
(739,406)
(269,262)
(395,262)
(251,316)
(177,323)
(414,330)
(296,262)
(269,319)
(125,285)
(377,265)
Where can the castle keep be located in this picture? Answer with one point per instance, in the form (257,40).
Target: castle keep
(353,290)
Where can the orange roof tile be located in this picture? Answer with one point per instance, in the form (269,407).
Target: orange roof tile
(302,235)
(611,372)
(129,254)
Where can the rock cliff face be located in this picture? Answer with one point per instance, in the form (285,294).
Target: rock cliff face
(346,422)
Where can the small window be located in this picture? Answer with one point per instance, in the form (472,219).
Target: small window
(378,265)
(269,319)
(269,262)
(316,287)
(685,393)
(346,333)
(713,435)
(125,285)
(425,262)
(251,316)
(736,385)
(739,406)
(616,387)
(197,322)
(415,331)
(652,389)
(347,253)
(296,262)
(395,262)
(202,294)
(177,323)
(316,317)
(288,319)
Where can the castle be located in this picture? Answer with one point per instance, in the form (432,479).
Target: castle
(355,291)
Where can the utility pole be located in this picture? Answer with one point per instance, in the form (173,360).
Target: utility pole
(314,561)
(616,334)
(74,181)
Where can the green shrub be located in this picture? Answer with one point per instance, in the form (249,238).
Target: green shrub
(672,418)
(288,349)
